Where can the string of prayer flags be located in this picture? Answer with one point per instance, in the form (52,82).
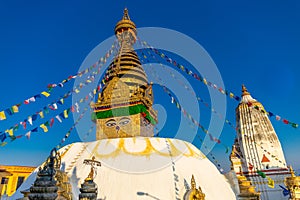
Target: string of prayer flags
(186,114)
(98,64)
(52,106)
(204,80)
(277,117)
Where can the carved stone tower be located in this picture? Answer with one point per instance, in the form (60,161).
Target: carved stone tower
(257,148)
(124,108)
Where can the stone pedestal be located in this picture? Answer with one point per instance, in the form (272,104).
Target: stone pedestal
(88,190)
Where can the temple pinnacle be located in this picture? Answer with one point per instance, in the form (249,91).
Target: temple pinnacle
(244,90)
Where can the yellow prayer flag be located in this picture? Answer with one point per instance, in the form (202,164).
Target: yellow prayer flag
(41,114)
(270,182)
(204,81)
(94,91)
(15,109)
(2,115)
(65,113)
(44,127)
(231,95)
(10,132)
(46,94)
(77,91)
(3,144)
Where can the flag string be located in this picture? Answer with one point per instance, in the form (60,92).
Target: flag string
(206,82)
(15,108)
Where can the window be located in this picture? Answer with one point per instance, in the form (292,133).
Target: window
(4,180)
(20,181)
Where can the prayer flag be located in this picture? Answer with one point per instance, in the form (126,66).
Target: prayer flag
(2,115)
(44,127)
(46,94)
(285,191)
(10,132)
(66,114)
(35,129)
(3,144)
(285,121)
(28,135)
(51,122)
(270,182)
(15,109)
(2,137)
(263,175)
(58,118)
(32,99)
(30,120)
(41,114)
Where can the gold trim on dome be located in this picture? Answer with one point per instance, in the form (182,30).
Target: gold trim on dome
(147,151)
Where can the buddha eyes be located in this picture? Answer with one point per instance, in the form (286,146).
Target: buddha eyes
(112,123)
(124,121)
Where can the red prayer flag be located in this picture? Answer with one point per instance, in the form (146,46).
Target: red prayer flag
(285,121)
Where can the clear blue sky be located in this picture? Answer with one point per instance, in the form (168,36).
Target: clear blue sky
(252,42)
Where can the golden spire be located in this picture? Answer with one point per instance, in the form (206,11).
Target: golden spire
(292,171)
(244,91)
(125,24)
(124,107)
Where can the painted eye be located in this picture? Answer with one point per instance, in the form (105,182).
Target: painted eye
(111,124)
(124,121)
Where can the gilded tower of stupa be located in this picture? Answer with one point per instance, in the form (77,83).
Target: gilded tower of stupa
(257,149)
(124,108)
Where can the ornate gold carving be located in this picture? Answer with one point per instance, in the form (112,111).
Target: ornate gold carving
(194,193)
(293,184)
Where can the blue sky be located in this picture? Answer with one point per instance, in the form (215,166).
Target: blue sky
(255,43)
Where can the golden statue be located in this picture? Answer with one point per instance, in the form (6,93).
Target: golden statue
(293,184)
(194,193)
(94,163)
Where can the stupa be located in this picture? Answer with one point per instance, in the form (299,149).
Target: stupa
(136,165)
(257,153)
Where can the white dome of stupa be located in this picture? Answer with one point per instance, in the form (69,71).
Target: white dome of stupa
(141,168)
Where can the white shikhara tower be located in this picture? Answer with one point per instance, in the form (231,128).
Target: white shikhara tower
(257,148)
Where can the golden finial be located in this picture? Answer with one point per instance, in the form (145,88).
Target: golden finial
(125,24)
(292,171)
(126,16)
(94,163)
(193,183)
(244,91)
